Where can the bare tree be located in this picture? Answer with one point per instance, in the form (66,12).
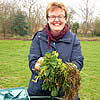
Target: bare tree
(34,14)
(70,17)
(33,8)
(86,11)
(29,5)
(7,11)
(4,12)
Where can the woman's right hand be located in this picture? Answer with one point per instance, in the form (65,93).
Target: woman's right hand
(38,63)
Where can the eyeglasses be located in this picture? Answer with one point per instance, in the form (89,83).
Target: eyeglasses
(60,17)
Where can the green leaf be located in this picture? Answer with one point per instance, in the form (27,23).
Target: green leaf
(45,86)
(54,92)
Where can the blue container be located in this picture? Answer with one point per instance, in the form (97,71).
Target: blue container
(19,93)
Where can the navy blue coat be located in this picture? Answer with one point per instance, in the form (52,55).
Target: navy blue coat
(68,47)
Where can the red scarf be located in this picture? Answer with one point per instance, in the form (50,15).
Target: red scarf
(55,38)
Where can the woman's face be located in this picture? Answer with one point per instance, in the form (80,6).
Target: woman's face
(56,20)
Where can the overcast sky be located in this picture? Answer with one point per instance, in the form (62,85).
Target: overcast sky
(71,3)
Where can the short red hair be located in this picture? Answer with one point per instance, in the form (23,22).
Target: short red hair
(54,5)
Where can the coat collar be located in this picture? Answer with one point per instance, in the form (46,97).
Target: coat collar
(67,38)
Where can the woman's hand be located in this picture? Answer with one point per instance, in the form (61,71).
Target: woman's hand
(38,63)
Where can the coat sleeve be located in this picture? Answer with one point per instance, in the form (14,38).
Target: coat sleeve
(76,56)
(35,52)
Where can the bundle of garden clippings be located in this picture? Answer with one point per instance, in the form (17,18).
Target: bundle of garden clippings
(59,76)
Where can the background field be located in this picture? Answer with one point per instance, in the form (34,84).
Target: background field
(14,70)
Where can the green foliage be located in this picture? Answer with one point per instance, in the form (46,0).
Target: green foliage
(75,27)
(19,24)
(97,26)
(57,75)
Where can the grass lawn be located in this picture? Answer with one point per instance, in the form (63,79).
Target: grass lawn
(14,70)
(90,84)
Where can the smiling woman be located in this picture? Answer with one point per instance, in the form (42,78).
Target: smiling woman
(54,37)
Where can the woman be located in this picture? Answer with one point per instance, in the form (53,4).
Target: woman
(54,37)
